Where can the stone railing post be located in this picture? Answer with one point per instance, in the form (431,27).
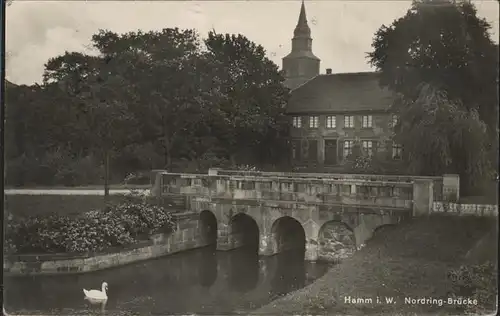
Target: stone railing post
(423,197)
(451,187)
(156,188)
(213,171)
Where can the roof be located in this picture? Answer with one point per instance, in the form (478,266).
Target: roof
(343,92)
(9,84)
(301,54)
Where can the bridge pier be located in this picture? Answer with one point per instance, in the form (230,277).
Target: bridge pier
(311,250)
(224,240)
(267,245)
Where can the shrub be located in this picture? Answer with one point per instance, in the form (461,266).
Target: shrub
(137,178)
(141,218)
(118,225)
(476,282)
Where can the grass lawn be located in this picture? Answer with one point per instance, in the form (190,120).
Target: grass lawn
(410,260)
(84,187)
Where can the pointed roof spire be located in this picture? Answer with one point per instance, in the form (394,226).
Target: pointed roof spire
(302,29)
(302,15)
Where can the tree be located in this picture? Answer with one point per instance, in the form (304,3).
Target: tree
(452,138)
(168,83)
(99,94)
(251,112)
(158,94)
(446,46)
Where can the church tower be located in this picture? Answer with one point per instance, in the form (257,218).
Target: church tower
(301,64)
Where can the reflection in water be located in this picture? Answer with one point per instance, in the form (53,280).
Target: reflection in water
(287,277)
(198,281)
(246,280)
(208,266)
(98,303)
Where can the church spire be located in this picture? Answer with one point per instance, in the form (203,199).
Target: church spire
(301,64)
(302,29)
(302,15)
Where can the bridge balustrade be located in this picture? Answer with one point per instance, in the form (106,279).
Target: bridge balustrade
(440,191)
(331,191)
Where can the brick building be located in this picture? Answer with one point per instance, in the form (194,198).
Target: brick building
(331,113)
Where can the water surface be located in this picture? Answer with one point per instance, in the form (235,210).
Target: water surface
(201,281)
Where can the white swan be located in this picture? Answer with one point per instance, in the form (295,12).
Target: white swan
(96,294)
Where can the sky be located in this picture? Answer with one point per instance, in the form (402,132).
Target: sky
(342,31)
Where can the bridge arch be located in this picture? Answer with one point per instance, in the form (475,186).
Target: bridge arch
(244,239)
(244,231)
(288,234)
(336,241)
(208,227)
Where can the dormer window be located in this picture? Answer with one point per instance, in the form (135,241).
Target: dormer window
(297,122)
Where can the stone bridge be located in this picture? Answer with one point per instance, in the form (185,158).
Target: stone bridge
(328,216)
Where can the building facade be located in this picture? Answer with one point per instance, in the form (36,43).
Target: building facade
(330,113)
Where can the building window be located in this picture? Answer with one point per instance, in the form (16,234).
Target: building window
(367,121)
(368,147)
(348,144)
(394,120)
(313,122)
(297,122)
(397,151)
(348,121)
(331,122)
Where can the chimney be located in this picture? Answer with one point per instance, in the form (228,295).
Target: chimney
(328,71)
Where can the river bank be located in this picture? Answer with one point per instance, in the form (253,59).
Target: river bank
(408,261)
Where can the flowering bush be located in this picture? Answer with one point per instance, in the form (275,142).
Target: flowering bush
(141,217)
(477,282)
(245,168)
(118,225)
(362,163)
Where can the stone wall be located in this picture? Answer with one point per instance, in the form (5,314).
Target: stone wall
(186,236)
(465,209)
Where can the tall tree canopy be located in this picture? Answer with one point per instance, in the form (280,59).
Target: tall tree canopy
(444,44)
(150,100)
(441,136)
(250,115)
(442,48)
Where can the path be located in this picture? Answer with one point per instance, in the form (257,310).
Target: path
(69,191)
